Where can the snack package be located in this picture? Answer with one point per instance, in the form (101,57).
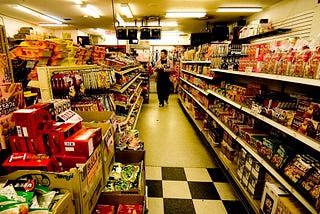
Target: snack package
(104,209)
(125,209)
(297,168)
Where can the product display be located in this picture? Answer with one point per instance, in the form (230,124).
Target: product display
(69,143)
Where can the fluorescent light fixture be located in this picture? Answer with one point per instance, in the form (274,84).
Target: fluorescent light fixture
(100,31)
(164,23)
(37,14)
(125,9)
(120,19)
(239,9)
(172,33)
(185,14)
(90,10)
(52,25)
(78,1)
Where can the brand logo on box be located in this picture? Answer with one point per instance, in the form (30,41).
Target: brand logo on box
(66,177)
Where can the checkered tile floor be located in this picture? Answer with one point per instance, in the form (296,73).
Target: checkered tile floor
(190,191)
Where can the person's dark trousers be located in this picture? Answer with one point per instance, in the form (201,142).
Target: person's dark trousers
(161,93)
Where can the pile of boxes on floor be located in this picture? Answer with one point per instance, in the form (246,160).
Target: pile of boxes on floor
(62,167)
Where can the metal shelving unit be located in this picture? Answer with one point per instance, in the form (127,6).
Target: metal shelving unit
(302,138)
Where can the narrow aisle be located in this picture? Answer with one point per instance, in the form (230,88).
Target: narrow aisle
(182,176)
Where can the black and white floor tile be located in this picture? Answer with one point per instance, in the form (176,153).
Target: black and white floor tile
(178,190)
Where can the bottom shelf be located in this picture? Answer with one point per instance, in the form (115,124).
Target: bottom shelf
(230,167)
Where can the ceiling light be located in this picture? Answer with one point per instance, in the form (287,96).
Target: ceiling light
(125,9)
(100,31)
(172,33)
(185,14)
(239,9)
(78,1)
(37,14)
(90,10)
(52,25)
(120,19)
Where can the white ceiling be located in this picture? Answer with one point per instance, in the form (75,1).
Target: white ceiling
(142,9)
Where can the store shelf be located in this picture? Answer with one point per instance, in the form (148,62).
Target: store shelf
(126,86)
(276,175)
(138,113)
(230,168)
(300,80)
(234,104)
(45,73)
(137,89)
(199,89)
(131,110)
(264,163)
(198,75)
(195,62)
(303,138)
(266,34)
(125,71)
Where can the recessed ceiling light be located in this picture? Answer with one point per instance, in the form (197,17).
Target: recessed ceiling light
(185,14)
(239,9)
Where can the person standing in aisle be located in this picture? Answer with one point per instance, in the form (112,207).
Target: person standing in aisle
(164,67)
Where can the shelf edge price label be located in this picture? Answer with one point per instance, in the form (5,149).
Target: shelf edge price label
(249,69)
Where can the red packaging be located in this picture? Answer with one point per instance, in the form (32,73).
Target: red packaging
(32,122)
(127,209)
(27,161)
(83,142)
(12,98)
(59,134)
(48,106)
(39,144)
(18,144)
(104,209)
(67,162)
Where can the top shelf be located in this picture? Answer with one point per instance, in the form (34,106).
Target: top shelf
(300,80)
(266,34)
(196,62)
(126,71)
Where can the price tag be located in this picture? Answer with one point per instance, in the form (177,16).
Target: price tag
(249,69)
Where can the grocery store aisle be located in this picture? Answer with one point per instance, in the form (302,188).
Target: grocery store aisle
(181,175)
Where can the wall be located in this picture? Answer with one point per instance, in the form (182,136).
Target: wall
(13,25)
(287,8)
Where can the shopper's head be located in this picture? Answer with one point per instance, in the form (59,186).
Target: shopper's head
(163,54)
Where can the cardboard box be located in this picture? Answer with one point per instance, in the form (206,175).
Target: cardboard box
(83,142)
(39,144)
(59,134)
(85,183)
(99,117)
(65,204)
(18,144)
(115,200)
(19,161)
(270,198)
(108,149)
(32,122)
(132,157)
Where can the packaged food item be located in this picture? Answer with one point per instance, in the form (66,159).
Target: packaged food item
(269,146)
(297,168)
(125,209)
(281,155)
(313,65)
(104,209)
